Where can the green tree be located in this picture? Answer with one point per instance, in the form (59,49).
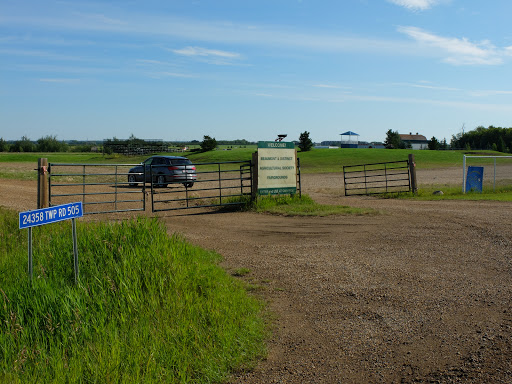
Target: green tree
(23,145)
(433,144)
(3,145)
(305,143)
(208,144)
(393,140)
(501,146)
(50,144)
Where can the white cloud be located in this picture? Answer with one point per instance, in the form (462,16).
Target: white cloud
(490,92)
(61,80)
(458,51)
(211,56)
(326,86)
(172,74)
(211,32)
(415,5)
(204,52)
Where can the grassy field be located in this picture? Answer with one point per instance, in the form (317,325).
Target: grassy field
(316,160)
(148,308)
(454,193)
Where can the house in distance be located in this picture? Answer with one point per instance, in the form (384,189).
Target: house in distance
(416,141)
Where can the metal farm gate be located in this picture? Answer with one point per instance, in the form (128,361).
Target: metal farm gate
(217,185)
(377,178)
(104,188)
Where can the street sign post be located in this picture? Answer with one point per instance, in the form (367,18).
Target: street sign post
(50,215)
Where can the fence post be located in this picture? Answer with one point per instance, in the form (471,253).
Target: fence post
(42,183)
(254,175)
(412,170)
(299,176)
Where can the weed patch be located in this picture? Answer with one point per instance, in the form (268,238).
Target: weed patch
(302,206)
(148,307)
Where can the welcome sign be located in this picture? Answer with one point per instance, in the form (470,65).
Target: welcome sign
(277,168)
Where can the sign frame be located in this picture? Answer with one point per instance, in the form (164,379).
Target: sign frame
(37,217)
(50,215)
(276,168)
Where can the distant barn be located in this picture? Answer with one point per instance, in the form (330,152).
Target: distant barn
(416,141)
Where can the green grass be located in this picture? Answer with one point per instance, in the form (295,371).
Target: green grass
(64,157)
(148,308)
(302,206)
(455,193)
(15,174)
(316,160)
(241,272)
(235,154)
(333,160)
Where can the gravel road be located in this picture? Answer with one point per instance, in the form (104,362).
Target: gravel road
(418,293)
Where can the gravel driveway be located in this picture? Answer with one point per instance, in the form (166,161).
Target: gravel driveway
(418,293)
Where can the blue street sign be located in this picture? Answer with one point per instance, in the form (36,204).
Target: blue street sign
(50,215)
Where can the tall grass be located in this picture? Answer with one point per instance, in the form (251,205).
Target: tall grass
(148,307)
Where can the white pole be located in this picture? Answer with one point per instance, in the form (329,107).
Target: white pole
(464,175)
(30,252)
(75,248)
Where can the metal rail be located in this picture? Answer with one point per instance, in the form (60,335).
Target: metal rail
(377,178)
(231,186)
(75,182)
(482,157)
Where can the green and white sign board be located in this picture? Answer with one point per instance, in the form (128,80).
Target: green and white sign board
(277,168)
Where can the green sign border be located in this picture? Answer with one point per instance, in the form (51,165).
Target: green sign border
(276,144)
(277,191)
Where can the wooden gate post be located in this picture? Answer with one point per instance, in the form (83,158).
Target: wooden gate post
(412,171)
(42,183)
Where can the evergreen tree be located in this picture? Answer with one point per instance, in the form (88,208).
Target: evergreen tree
(433,144)
(3,145)
(393,140)
(305,143)
(208,144)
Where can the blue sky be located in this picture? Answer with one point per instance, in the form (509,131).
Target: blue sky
(252,69)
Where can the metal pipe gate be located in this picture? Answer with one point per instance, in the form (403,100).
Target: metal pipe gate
(217,184)
(377,178)
(102,188)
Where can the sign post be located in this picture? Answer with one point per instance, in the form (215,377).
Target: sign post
(50,215)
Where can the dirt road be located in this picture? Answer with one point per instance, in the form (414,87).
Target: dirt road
(420,293)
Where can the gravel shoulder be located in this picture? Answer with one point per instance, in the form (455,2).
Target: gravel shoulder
(420,292)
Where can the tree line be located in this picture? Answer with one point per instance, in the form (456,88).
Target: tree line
(481,138)
(491,138)
(44,144)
